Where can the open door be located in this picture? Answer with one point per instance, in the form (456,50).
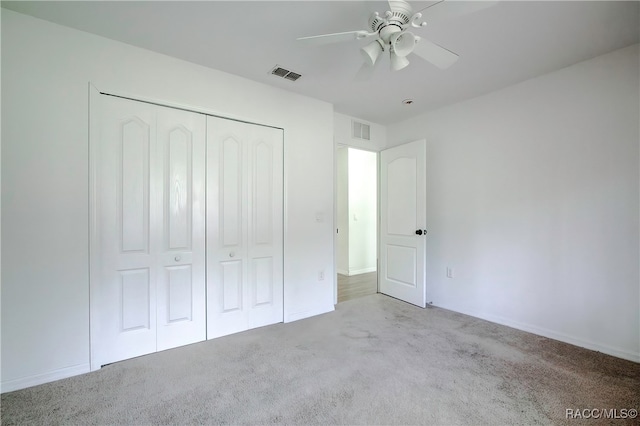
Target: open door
(403,223)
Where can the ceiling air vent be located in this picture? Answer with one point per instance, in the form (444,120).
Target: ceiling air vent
(292,76)
(285,73)
(360,130)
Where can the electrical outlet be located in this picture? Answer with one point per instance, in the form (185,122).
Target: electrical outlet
(321,276)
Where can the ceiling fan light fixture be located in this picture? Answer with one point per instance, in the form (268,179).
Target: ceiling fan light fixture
(403,43)
(398,62)
(372,51)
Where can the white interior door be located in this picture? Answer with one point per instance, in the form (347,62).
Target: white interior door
(244,226)
(123,296)
(147,244)
(403,222)
(181,300)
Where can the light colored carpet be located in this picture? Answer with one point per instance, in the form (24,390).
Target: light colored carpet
(375,360)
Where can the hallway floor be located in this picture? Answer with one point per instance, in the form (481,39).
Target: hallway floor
(354,286)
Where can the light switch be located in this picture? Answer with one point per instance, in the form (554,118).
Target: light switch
(450,272)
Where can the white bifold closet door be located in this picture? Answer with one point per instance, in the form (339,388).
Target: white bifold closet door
(148,228)
(244,226)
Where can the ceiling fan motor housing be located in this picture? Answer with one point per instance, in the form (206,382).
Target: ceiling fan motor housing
(401,11)
(393,22)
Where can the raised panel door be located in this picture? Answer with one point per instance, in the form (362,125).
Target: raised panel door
(124,271)
(226,227)
(148,230)
(244,231)
(402,213)
(265,225)
(181,302)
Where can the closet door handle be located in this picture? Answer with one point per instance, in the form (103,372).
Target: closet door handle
(232,254)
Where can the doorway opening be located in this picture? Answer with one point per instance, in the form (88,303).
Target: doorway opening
(357,207)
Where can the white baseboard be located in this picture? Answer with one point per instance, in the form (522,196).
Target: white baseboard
(361,271)
(356,271)
(295,316)
(541,331)
(38,379)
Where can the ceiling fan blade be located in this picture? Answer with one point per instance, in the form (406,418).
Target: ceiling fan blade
(320,40)
(364,73)
(445,9)
(437,55)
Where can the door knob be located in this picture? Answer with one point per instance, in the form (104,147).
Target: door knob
(232,254)
(177,258)
(419,232)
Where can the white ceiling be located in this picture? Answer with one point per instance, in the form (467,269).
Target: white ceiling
(498,46)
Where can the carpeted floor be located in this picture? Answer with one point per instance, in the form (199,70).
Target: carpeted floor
(375,360)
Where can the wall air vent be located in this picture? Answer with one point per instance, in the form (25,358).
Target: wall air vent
(285,73)
(360,130)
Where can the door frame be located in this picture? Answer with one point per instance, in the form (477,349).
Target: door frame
(94,248)
(335,216)
(335,213)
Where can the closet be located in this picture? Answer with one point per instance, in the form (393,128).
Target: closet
(186,227)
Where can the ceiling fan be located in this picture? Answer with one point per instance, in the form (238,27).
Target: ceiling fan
(392,34)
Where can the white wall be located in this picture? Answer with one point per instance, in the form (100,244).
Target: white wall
(356,211)
(46,69)
(0,200)
(342,133)
(363,211)
(342,210)
(532,197)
